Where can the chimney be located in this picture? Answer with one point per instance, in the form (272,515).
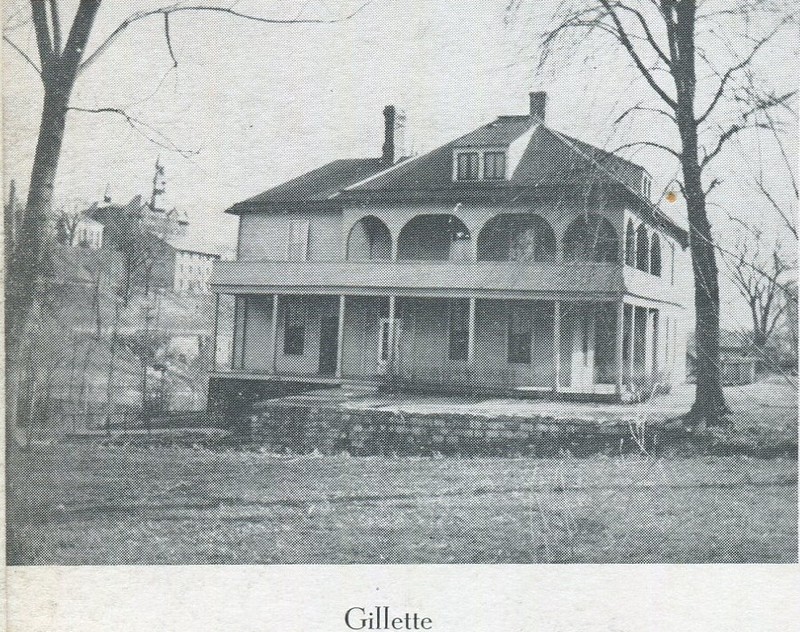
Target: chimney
(395,143)
(538,105)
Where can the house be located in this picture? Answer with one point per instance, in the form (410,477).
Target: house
(176,263)
(88,233)
(738,357)
(513,259)
(192,268)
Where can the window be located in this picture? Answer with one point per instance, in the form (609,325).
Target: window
(297,241)
(494,165)
(647,184)
(386,340)
(294,331)
(519,334)
(459,330)
(655,256)
(467,166)
(630,245)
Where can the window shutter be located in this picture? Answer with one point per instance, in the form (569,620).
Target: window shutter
(298,240)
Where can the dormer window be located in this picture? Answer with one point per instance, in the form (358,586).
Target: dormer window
(494,165)
(471,165)
(647,183)
(467,166)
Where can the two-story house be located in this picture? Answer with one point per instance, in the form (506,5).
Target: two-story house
(511,259)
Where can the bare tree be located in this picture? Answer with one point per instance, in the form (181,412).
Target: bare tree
(660,39)
(757,274)
(61,61)
(67,224)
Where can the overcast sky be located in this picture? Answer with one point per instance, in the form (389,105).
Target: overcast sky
(263,103)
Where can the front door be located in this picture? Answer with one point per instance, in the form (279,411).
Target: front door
(328,344)
(583,345)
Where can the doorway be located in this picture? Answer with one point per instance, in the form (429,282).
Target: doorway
(328,344)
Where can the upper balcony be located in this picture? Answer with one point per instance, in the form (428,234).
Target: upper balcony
(514,256)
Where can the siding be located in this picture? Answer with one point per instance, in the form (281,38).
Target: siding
(264,237)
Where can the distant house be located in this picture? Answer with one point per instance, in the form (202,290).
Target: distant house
(738,357)
(514,258)
(192,269)
(178,264)
(88,234)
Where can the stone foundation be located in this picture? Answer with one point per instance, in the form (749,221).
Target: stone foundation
(285,427)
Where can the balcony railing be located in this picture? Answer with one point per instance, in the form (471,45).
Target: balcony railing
(419,277)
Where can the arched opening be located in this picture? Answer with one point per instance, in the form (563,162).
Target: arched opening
(655,256)
(630,245)
(369,238)
(434,238)
(591,238)
(516,237)
(642,248)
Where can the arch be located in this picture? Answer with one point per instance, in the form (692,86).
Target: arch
(369,238)
(434,238)
(630,244)
(517,237)
(642,249)
(655,255)
(591,238)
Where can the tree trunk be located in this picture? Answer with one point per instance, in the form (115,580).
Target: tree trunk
(709,404)
(25,263)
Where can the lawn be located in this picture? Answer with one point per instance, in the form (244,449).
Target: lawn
(93,504)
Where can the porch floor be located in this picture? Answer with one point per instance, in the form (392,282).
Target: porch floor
(656,411)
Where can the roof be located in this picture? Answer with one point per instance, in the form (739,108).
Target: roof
(318,185)
(549,158)
(185,245)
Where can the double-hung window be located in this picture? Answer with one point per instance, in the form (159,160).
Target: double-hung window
(494,165)
(294,331)
(459,329)
(467,165)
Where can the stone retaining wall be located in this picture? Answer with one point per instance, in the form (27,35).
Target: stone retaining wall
(285,427)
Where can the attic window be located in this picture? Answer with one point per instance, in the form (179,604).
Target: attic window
(494,165)
(467,166)
(647,183)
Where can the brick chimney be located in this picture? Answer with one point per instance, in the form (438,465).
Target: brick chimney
(395,143)
(538,105)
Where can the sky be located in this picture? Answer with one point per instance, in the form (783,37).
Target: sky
(258,104)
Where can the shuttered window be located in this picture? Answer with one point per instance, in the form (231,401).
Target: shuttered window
(297,240)
(467,166)
(494,165)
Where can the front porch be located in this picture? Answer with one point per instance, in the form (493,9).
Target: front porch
(532,348)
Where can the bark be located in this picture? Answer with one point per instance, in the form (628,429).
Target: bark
(59,70)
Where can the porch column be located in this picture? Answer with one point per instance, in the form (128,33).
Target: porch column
(648,344)
(557,343)
(390,342)
(632,345)
(274,338)
(471,331)
(620,343)
(214,334)
(340,337)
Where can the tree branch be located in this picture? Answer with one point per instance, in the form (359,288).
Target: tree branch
(42,28)
(647,143)
(137,125)
(169,41)
(640,108)
(626,42)
(56,22)
(207,9)
(734,69)
(725,137)
(24,55)
(648,34)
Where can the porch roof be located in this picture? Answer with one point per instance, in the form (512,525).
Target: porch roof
(503,279)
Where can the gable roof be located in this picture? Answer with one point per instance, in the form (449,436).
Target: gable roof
(318,185)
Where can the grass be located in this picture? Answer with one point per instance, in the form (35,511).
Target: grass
(92,504)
